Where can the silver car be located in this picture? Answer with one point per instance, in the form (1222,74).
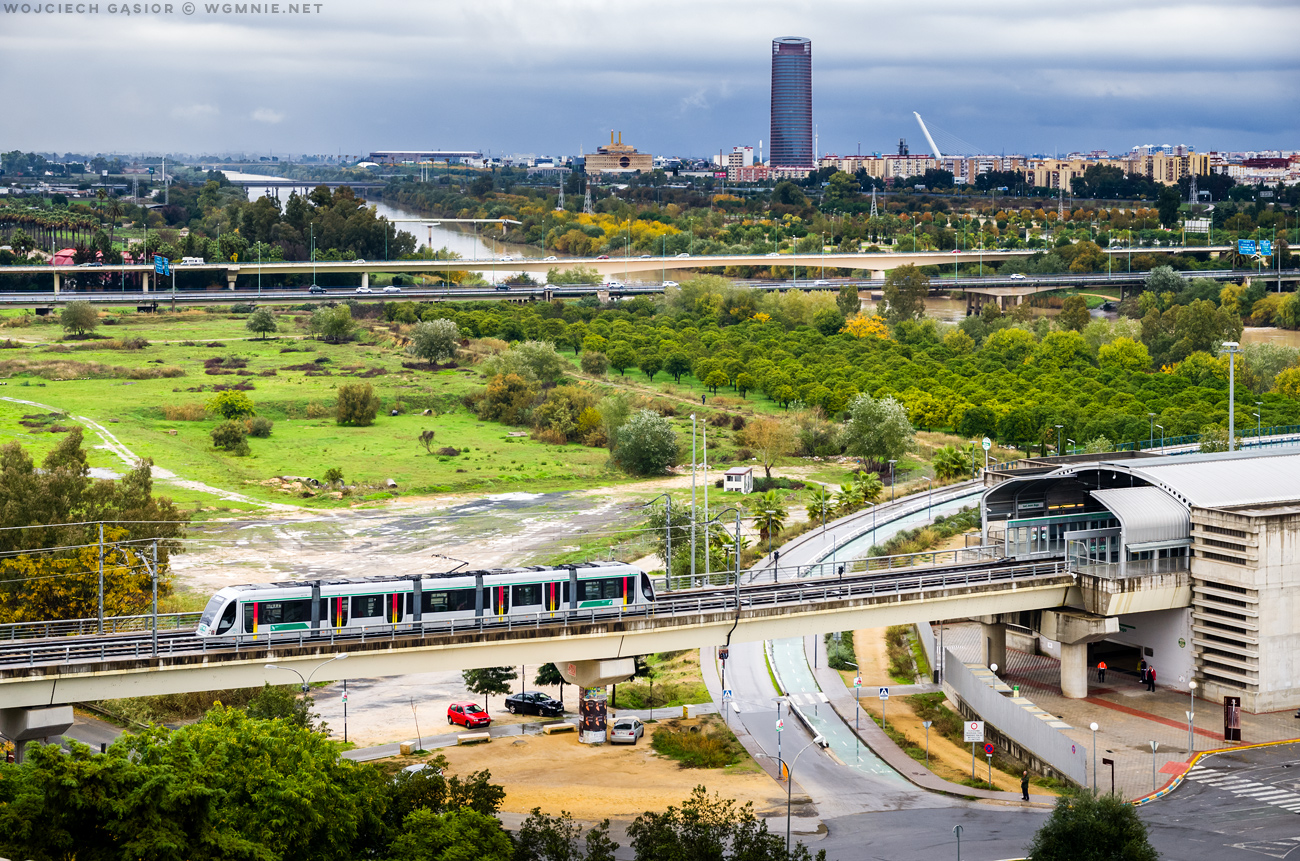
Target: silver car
(626,730)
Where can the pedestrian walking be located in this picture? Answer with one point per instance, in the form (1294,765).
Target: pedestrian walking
(1101,671)
(1151,678)
(1024,785)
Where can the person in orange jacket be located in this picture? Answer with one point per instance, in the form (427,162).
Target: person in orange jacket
(1101,671)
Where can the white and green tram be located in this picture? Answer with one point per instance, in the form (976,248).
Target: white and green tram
(498,593)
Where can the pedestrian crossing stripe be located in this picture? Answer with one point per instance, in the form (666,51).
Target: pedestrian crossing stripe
(1243,788)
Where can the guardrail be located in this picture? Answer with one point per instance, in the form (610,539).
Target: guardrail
(792,594)
(112,625)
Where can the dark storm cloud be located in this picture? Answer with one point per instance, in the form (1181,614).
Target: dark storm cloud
(674,76)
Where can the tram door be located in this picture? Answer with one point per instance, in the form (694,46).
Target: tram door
(500,599)
(394,608)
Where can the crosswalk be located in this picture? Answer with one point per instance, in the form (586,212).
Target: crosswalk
(1243,788)
(803,698)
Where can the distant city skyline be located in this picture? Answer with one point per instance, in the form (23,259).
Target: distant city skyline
(512,77)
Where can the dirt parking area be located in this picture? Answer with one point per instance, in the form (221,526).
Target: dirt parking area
(593,782)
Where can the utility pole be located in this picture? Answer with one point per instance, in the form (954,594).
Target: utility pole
(101,577)
(559,204)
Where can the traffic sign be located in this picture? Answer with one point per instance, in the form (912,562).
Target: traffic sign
(723,654)
(1245,246)
(974,731)
(345,696)
(884,693)
(987,443)
(857,681)
(988,748)
(162,265)
(1266,247)
(726,695)
(780,724)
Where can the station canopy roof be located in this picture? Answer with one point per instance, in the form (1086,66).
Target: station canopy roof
(1148,514)
(1222,480)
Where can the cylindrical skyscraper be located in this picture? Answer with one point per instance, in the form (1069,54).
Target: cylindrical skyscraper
(792,123)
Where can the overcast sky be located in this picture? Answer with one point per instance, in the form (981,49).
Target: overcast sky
(676,76)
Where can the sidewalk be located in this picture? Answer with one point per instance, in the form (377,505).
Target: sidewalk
(832,684)
(1128,716)
(434,742)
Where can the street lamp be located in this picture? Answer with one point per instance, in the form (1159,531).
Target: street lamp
(1093,726)
(306,682)
(727,646)
(1155,745)
(1191,700)
(891,480)
(1162,438)
(1058,439)
(820,741)
(1152,435)
(929,504)
(1232,348)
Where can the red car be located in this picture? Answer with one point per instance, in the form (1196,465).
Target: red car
(469,715)
(603,257)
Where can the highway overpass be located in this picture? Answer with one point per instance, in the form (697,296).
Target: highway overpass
(878,264)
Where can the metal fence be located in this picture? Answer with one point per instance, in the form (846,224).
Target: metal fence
(112,625)
(1016,722)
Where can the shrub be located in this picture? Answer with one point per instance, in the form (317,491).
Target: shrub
(696,747)
(333,475)
(261,321)
(231,436)
(357,405)
(551,436)
(647,444)
(434,340)
(737,423)
(242,308)
(259,426)
(448,451)
(317,411)
(133,343)
(79,317)
(184,412)
(595,363)
(232,404)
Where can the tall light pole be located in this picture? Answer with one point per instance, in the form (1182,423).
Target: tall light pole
(819,741)
(668,537)
(306,682)
(1232,348)
(692,500)
(1155,745)
(1191,704)
(1058,439)
(1162,438)
(891,480)
(727,646)
(1093,726)
(1151,437)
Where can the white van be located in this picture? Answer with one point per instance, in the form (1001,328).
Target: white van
(187,261)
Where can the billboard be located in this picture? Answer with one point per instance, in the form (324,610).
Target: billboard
(594,712)
(1197,225)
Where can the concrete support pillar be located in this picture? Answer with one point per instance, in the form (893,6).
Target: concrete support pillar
(146,280)
(21,725)
(365,280)
(230,279)
(995,645)
(58,279)
(1074,670)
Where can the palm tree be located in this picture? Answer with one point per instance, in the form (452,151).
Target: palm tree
(769,513)
(849,498)
(869,485)
(820,504)
(114,213)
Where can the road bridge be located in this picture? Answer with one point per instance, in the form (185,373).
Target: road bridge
(608,267)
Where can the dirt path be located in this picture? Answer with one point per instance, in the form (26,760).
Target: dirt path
(596,781)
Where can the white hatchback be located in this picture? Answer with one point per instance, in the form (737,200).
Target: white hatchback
(626,730)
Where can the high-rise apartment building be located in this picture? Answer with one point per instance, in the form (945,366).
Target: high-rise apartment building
(792,123)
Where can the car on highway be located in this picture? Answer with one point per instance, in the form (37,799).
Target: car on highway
(533,703)
(315,288)
(613,284)
(358,260)
(684,254)
(468,715)
(363,289)
(500,286)
(626,730)
(550,259)
(821,282)
(392,288)
(645,256)
(1017,276)
(773,254)
(670,284)
(603,257)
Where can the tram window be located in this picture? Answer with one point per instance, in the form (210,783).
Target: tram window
(527,594)
(227,618)
(448,601)
(284,612)
(647,589)
(367,606)
(609,589)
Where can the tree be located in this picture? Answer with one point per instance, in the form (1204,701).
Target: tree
(650,363)
(533,360)
(595,363)
(906,289)
(745,383)
(716,379)
(708,828)
(232,404)
(1124,354)
(820,504)
(828,321)
(231,436)
(951,462)
(489,680)
(1074,313)
(677,364)
(555,838)
(333,475)
(284,702)
(79,317)
(877,429)
(622,357)
(426,440)
(1164,279)
(434,340)
(769,513)
(1287,383)
(261,322)
(646,444)
(456,835)
(357,405)
(771,439)
(1084,827)
(332,324)
(848,302)
(1168,204)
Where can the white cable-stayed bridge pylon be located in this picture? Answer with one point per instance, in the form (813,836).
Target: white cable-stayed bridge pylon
(944,142)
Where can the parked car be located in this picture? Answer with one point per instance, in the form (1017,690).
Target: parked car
(1017,276)
(315,288)
(363,289)
(392,288)
(469,715)
(626,730)
(533,703)
(418,767)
